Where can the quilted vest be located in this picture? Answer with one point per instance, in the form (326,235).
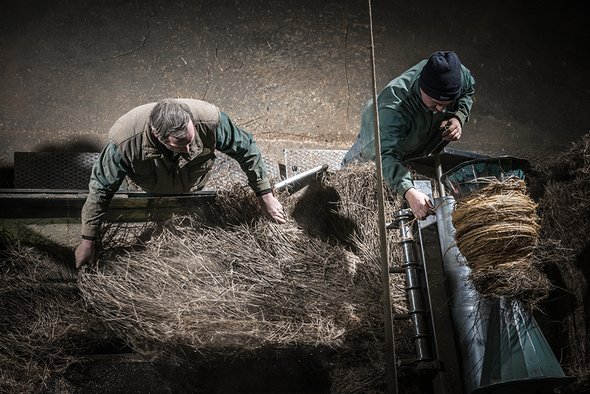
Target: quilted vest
(152,170)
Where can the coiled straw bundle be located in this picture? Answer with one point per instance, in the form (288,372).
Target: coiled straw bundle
(497,233)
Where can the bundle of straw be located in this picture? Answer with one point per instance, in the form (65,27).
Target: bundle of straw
(565,208)
(195,287)
(243,288)
(496,231)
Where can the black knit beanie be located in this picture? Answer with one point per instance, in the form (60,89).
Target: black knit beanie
(441,77)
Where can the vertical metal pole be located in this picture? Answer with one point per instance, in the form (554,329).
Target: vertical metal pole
(387,318)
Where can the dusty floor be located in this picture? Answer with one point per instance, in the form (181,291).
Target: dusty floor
(294,73)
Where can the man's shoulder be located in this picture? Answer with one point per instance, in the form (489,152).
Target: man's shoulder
(132,124)
(202,111)
(467,77)
(401,88)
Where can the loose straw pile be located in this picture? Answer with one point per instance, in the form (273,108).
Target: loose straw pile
(239,285)
(217,290)
(44,324)
(496,232)
(194,290)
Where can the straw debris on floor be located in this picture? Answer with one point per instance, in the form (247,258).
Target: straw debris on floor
(45,325)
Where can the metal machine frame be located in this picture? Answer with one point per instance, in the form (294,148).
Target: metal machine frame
(471,346)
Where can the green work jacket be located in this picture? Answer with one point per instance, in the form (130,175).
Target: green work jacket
(408,129)
(134,152)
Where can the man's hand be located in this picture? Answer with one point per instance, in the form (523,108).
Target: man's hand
(272,208)
(419,203)
(85,253)
(454,130)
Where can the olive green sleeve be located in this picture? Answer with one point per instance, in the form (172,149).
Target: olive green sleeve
(393,129)
(465,102)
(240,145)
(107,175)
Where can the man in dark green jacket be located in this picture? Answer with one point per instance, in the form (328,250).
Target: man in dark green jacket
(425,105)
(168,148)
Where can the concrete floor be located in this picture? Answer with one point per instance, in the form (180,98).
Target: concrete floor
(293,73)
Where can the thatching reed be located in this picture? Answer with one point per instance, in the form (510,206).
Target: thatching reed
(191,290)
(226,290)
(497,233)
(44,324)
(562,188)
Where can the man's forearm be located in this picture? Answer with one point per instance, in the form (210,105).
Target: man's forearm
(106,178)
(240,145)
(93,213)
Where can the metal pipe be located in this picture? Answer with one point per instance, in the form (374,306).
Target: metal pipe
(470,317)
(414,289)
(300,180)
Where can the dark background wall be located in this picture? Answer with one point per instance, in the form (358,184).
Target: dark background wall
(294,73)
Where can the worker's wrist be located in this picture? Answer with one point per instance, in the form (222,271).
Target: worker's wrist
(459,118)
(410,190)
(263,192)
(88,238)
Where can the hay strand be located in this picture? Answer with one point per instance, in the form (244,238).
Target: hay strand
(225,289)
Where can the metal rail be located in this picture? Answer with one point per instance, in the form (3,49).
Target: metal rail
(125,207)
(418,311)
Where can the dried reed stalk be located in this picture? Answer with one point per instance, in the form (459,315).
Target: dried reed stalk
(497,233)
(44,324)
(564,206)
(219,290)
(236,284)
(192,289)
(242,287)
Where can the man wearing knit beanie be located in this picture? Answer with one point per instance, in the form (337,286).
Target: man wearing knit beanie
(425,105)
